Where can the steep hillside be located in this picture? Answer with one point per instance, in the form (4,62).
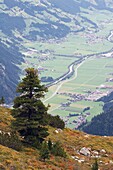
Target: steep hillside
(9,71)
(101,124)
(81,148)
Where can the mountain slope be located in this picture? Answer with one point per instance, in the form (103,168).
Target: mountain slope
(24,23)
(9,58)
(80,147)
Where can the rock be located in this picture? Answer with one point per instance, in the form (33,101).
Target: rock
(9,133)
(89,149)
(81,160)
(56,131)
(85,151)
(111,162)
(73,157)
(86,136)
(106,155)
(60,130)
(95,153)
(76,157)
(97,156)
(102,151)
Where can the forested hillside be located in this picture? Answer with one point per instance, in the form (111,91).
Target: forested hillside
(102,124)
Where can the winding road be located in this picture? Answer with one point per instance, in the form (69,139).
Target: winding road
(110,36)
(66,75)
(71,70)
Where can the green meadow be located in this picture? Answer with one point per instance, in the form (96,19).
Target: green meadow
(90,75)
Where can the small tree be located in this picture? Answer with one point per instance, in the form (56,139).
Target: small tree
(29,111)
(54,121)
(44,152)
(2,100)
(58,150)
(49,144)
(95,165)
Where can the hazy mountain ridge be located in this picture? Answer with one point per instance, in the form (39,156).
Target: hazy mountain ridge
(35,11)
(9,58)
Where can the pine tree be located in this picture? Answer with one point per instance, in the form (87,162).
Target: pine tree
(44,152)
(95,165)
(2,100)
(49,144)
(29,111)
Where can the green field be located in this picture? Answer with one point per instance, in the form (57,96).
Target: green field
(91,75)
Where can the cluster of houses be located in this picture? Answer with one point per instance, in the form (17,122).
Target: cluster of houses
(92,38)
(74,97)
(79,118)
(40,56)
(78,121)
(95,95)
(109,80)
(89,96)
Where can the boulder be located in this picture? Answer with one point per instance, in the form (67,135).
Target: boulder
(102,151)
(85,151)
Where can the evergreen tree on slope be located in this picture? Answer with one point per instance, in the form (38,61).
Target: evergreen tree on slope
(29,111)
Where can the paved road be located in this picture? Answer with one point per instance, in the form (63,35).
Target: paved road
(110,36)
(62,81)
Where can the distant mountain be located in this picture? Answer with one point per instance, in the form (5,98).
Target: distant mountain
(9,58)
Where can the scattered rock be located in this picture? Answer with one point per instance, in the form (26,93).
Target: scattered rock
(106,155)
(85,151)
(58,131)
(81,160)
(102,151)
(111,162)
(95,153)
(86,136)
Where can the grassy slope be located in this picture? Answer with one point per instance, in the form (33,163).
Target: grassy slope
(71,140)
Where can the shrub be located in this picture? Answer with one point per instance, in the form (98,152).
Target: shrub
(44,151)
(50,145)
(54,121)
(58,150)
(11,140)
